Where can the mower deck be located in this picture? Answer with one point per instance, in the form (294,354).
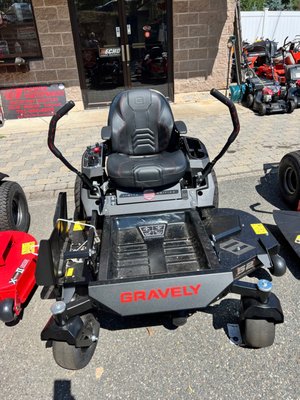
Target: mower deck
(289,224)
(163,256)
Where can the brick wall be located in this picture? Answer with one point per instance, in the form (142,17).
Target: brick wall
(201,32)
(59,61)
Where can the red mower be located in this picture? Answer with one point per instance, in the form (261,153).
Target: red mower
(287,57)
(17,278)
(17,251)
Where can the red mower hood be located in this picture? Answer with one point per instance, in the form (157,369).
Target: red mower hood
(17,265)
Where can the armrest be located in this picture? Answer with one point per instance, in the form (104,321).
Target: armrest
(181,127)
(106,133)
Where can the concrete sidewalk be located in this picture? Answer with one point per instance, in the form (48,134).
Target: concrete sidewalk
(26,159)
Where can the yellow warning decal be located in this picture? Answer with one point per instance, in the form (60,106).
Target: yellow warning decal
(28,248)
(259,229)
(62,226)
(70,272)
(78,226)
(297,240)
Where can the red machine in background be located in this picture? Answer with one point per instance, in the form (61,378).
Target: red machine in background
(17,251)
(17,277)
(272,76)
(276,64)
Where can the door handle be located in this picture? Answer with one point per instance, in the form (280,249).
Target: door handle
(123,52)
(127,52)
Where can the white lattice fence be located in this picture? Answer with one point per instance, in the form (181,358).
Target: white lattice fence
(274,25)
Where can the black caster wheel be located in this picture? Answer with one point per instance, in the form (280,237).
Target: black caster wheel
(289,179)
(258,333)
(262,109)
(249,100)
(71,357)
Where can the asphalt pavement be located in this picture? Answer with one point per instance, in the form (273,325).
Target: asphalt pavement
(195,361)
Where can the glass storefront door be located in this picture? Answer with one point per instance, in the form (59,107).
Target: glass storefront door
(120,44)
(147,46)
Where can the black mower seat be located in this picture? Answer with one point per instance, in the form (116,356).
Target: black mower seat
(144,142)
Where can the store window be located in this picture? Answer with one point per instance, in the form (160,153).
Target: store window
(18,33)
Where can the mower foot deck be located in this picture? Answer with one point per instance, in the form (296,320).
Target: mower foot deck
(289,224)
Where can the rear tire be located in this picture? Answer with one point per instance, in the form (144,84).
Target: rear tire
(70,357)
(79,213)
(262,109)
(258,333)
(14,214)
(216,194)
(291,106)
(249,100)
(289,179)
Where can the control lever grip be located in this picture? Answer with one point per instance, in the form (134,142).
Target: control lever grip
(233,113)
(236,128)
(65,109)
(52,126)
(51,137)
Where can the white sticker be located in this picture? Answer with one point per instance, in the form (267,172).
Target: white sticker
(128,29)
(118,32)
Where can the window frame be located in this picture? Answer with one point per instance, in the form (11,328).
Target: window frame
(10,57)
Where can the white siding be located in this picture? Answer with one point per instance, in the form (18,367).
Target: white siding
(273,25)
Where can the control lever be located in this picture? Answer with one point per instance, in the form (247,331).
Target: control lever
(51,138)
(236,128)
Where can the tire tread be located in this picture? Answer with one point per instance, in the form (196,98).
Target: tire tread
(7,191)
(291,160)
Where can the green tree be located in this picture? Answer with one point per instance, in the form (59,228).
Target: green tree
(251,5)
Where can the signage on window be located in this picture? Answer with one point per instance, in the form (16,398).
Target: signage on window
(109,51)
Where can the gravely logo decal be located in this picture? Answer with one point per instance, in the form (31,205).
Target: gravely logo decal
(160,294)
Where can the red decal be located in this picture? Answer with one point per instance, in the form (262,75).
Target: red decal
(186,292)
(149,195)
(160,294)
(126,297)
(153,295)
(163,294)
(195,289)
(176,291)
(140,295)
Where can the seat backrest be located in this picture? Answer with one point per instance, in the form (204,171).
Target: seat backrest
(141,122)
(155,52)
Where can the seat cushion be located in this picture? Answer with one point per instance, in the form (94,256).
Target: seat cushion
(146,171)
(141,122)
